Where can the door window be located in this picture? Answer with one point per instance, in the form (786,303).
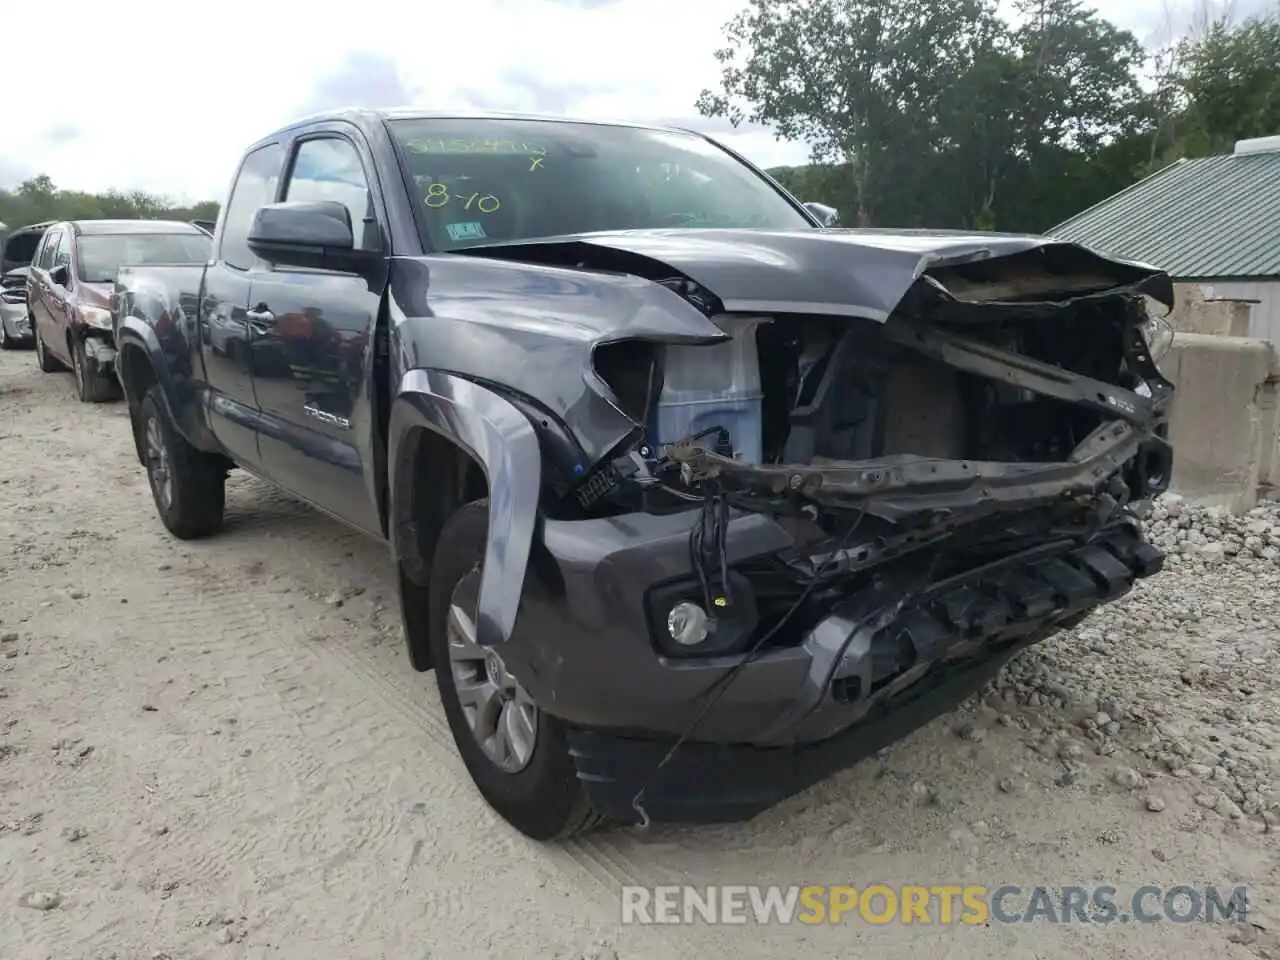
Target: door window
(62,256)
(329,168)
(49,246)
(254,187)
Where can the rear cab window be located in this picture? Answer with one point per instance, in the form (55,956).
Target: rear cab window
(487,180)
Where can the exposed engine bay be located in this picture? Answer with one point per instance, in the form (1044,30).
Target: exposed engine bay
(980,419)
(839,411)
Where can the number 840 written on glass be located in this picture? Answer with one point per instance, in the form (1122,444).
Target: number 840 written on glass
(438,195)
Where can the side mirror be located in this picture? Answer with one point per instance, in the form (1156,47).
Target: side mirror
(61,275)
(307,234)
(827,216)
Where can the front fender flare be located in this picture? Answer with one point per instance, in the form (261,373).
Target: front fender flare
(502,440)
(134,333)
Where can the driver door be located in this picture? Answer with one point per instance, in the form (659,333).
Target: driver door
(312,340)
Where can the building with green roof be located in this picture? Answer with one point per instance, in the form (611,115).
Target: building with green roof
(1212,221)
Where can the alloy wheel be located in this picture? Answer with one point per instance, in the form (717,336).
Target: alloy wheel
(158,471)
(501,715)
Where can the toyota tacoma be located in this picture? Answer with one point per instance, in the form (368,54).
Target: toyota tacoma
(692,498)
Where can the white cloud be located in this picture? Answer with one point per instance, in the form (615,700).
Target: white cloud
(164,98)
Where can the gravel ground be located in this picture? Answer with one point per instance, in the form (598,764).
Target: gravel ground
(219,750)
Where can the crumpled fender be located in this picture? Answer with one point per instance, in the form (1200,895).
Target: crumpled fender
(503,442)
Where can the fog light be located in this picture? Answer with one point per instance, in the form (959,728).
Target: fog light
(688,624)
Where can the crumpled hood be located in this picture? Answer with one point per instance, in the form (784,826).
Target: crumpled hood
(852,272)
(528,317)
(94,294)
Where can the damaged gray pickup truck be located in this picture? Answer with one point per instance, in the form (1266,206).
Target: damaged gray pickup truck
(692,500)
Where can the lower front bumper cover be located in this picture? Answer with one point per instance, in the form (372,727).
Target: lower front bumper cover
(16,326)
(878,684)
(100,353)
(715,783)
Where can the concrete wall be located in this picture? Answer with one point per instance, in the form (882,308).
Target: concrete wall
(1227,308)
(1223,422)
(1264,315)
(1201,309)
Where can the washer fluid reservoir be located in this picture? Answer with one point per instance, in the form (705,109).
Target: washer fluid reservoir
(715,386)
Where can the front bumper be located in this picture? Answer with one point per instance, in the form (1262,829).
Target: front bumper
(583,650)
(100,353)
(719,783)
(16,325)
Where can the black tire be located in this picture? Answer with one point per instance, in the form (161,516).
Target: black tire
(91,387)
(545,800)
(46,361)
(5,342)
(191,505)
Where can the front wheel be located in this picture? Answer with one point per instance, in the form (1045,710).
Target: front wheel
(188,486)
(516,755)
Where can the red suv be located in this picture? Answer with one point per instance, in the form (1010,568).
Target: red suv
(70,285)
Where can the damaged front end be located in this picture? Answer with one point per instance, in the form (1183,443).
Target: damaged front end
(955,480)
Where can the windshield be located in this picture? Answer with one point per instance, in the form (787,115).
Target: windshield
(101,257)
(488,180)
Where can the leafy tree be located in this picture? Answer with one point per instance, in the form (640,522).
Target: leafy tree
(863,81)
(1231,79)
(942,114)
(38,199)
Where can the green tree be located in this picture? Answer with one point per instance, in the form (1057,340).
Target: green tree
(863,81)
(38,199)
(923,113)
(1231,80)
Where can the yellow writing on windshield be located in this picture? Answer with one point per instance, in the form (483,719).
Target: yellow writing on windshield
(518,148)
(438,196)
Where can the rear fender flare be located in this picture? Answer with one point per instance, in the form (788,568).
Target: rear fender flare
(502,441)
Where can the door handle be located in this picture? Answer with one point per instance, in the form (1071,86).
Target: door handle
(261,318)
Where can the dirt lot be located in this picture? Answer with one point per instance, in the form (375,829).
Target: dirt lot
(219,750)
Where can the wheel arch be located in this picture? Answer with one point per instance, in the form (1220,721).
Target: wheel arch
(141,362)
(453,441)
(137,374)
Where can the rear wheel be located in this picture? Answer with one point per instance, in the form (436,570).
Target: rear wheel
(91,386)
(48,363)
(188,485)
(516,754)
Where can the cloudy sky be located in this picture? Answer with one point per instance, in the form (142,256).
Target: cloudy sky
(139,94)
